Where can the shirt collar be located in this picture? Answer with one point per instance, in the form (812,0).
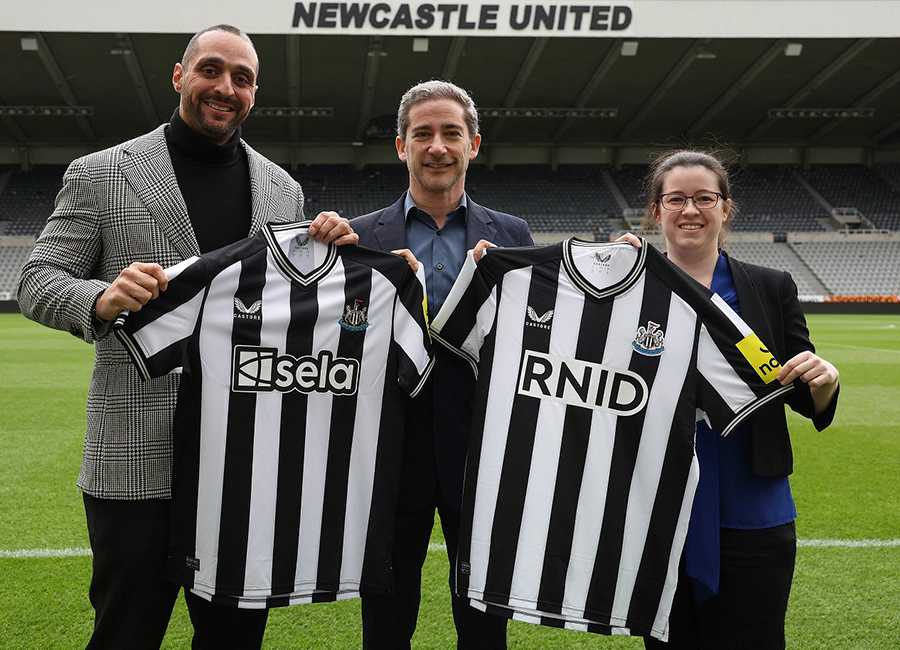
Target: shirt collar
(409,204)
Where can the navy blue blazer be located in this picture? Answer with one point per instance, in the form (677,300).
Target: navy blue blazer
(770,306)
(438,421)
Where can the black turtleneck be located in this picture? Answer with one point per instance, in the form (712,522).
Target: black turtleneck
(215,183)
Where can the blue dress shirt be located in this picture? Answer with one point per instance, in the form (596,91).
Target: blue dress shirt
(441,250)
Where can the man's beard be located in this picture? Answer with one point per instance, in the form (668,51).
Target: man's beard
(432,184)
(214,129)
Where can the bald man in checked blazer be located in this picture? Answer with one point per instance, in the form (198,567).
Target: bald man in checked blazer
(189,186)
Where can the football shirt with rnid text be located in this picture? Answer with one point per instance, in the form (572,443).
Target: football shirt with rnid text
(593,362)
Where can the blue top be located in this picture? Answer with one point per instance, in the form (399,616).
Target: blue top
(745,501)
(728,494)
(441,250)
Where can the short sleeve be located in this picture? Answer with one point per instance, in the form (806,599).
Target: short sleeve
(737,369)
(468,313)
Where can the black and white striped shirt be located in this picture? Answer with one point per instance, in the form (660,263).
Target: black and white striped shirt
(295,358)
(593,362)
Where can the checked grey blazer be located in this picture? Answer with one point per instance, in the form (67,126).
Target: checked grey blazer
(119,206)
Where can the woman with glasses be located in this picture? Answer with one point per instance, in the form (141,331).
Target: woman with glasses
(738,562)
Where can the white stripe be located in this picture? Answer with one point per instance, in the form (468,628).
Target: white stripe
(649,465)
(366,429)
(544,466)
(511,315)
(442,548)
(215,329)
(263,478)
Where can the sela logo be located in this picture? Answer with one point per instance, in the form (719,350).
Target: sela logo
(649,341)
(763,361)
(533,320)
(355,318)
(257,370)
(242,311)
(580,383)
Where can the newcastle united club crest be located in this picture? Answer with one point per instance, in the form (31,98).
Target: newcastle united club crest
(649,340)
(355,318)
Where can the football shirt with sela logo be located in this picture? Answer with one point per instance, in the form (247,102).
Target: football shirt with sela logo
(295,359)
(594,362)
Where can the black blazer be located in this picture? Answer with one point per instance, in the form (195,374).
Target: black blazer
(769,305)
(438,421)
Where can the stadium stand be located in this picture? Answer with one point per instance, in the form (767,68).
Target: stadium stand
(779,256)
(13,254)
(348,191)
(853,267)
(27,199)
(571,198)
(856,186)
(629,179)
(771,199)
(784,218)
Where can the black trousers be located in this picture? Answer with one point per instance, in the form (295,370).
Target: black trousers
(131,597)
(757,567)
(390,621)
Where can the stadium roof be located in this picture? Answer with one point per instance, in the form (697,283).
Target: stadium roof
(70,91)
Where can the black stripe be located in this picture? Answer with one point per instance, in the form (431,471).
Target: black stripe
(376,571)
(573,452)
(520,443)
(459,575)
(299,342)
(186,461)
(357,286)
(238,475)
(650,581)
(655,305)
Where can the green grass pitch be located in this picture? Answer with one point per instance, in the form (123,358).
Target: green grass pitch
(846,483)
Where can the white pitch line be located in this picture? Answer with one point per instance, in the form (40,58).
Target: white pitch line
(858,347)
(433,548)
(819,543)
(849,543)
(47,552)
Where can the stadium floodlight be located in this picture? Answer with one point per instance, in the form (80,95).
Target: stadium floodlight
(629,48)
(549,112)
(827,113)
(293,111)
(45,111)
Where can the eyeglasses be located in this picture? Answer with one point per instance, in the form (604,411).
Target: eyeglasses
(703,200)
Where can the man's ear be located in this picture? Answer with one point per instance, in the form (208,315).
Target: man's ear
(401,148)
(177,77)
(476,145)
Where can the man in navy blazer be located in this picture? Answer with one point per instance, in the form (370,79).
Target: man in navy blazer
(437,136)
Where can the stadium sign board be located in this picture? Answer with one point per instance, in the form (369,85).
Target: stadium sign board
(572,18)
